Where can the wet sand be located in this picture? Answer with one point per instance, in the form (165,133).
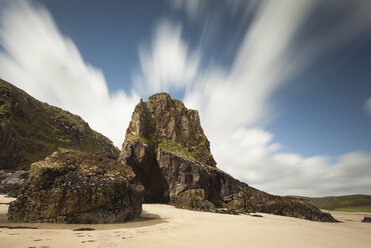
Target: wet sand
(166,226)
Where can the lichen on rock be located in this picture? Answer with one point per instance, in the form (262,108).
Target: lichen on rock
(72,187)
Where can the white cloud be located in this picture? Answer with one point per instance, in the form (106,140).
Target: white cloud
(240,96)
(247,155)
(169,64)
(367,106)
(46,64)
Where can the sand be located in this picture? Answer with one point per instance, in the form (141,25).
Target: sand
(165,226)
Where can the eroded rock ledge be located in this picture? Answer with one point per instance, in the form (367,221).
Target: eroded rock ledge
(72,187)
(170,155)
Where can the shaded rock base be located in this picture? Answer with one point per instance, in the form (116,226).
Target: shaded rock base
(191,185)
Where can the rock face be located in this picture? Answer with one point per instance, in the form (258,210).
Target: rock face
(169,124)
(12,181)
(30,130)
(72,187)
(170,155)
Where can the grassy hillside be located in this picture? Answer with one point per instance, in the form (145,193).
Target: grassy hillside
(30,130)
(348,203)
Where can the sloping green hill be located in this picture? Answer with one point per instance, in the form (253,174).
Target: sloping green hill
(348,203)
(30,130)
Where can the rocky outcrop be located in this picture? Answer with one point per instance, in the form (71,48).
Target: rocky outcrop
(72,187)
(12,181)
(170,155)
(30,130)
(168,123)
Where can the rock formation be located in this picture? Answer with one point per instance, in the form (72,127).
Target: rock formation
(30,130)
(12,181)
(72,187)
(170,155)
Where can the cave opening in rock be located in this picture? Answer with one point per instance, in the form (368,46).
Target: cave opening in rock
(156,188)
(149,174)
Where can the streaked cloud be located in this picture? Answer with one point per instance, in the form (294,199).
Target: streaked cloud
(367,106)
(40,60)
(191,7)
(168,64)
(234,102)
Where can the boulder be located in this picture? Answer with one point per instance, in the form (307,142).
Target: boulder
(170,155)
(12,181)
(72,187)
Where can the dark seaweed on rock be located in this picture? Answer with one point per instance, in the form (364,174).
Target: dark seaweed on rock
(72,187)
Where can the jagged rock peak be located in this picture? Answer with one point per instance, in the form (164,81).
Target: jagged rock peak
(167,123)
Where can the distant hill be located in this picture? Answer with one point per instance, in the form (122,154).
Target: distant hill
(348,203)
(30,130)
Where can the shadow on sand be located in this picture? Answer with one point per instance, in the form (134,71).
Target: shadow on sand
(145,219)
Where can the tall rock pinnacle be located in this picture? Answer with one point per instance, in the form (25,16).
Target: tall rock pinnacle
(167,122)
(170,155)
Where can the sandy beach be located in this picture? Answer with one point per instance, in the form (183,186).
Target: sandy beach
(166,226)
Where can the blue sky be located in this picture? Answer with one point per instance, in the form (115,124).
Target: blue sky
(325,111)
(283,87)
(108,34)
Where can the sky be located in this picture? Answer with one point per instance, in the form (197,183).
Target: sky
(283,88)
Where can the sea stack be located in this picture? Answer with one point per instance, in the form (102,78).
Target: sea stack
(170,155)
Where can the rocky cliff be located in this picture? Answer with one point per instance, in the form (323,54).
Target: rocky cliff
(170,155)
(30,130)
(72,187)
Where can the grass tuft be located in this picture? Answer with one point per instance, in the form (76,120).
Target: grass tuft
(176,148)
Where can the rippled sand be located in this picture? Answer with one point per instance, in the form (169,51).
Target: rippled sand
(166,226)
